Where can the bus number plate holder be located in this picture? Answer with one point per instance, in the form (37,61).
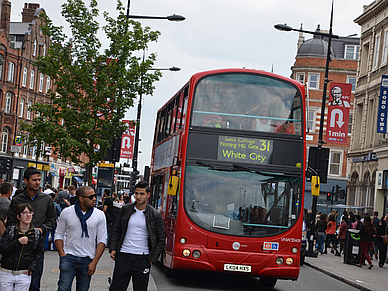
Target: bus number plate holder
(237,268)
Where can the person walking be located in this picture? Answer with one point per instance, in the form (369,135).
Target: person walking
(380,232)
(330,235)
(367,231)
(342,234)
(137,242)
(6,190)
(44,213)
(84,228)
(22,248)
(321,232)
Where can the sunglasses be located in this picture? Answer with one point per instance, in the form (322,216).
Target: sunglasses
(90,196)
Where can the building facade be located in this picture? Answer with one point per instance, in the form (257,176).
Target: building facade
(21,86)
(309,69)
(369,149)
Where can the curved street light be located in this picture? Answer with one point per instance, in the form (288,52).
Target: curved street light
(173,17)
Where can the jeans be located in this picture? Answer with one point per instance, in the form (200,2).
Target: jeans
(320,243)
(47,240)
(35,277)
(71,266)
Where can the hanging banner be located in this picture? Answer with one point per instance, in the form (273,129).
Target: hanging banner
(383,110)
(127,141)
(338,113)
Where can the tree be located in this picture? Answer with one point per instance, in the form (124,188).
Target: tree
(94,87)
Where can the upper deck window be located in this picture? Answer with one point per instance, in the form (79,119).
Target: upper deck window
(247,102)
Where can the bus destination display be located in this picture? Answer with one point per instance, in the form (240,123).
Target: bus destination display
(244,150)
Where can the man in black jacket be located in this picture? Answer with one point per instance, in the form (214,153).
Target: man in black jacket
(44,217)
(137,242)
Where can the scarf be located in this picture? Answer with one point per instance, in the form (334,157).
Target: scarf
(83,217)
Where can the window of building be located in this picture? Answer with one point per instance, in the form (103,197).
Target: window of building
(313,81)
(32,79)
(24,81)
(25,147)
(351,80)
(41,77)
(34,48)
(335,163)
(311,121)
(350,122)
(376,53)
(300,77)
(1,66)
(352,51)
(364,59)
(4,140)
(11,71)
(22,100)
(29,109)
(48,81)
(8,102)
(44,49)
(385,48)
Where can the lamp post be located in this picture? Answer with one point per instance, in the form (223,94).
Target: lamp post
(284,27)
(137,128)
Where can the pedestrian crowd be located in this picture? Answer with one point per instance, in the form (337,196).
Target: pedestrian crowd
(372,233)
(68,221)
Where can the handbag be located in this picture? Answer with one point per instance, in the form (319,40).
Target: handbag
(385,238)
(372,246)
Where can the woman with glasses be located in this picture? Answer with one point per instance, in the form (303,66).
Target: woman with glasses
(22,249)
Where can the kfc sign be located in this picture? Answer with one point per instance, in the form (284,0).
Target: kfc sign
(127,142)
(338,113)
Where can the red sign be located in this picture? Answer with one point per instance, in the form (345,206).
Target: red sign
(71,170)
(338,113)
(127,141)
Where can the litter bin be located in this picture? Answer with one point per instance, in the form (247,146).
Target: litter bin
(352,247)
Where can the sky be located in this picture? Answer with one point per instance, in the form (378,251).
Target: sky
(217,34)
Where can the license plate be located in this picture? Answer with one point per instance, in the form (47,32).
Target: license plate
(237,268)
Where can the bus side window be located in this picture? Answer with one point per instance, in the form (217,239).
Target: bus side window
(157,186)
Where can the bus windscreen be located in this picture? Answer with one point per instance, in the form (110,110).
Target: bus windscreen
(240,202)
(247,102)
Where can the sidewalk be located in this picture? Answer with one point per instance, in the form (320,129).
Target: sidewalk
(99,279)
(361,278)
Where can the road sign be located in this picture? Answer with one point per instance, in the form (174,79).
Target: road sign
(70,170)
(127,142)
(16,149)
(338,113)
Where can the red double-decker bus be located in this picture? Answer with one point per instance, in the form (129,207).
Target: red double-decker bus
(228,166)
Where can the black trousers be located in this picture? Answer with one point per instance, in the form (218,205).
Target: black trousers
(129,266)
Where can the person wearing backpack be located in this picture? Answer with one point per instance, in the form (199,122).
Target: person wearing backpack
(22,249)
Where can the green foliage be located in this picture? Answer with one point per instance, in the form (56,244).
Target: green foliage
(94,87)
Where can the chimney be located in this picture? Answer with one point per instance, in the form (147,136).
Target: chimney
(5,15)
(29,11)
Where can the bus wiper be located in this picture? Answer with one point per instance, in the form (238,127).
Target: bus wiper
(250,170)
(212,167)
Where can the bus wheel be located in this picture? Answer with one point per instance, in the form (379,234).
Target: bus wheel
(268,282)
(170,273)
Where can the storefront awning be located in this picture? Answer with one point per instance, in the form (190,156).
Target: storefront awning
(53,174)
(78,179)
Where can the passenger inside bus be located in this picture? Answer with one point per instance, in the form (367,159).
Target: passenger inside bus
(263,123)
(215,120)
(286,127)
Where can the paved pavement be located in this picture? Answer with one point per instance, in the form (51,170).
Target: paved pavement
(99,279)
(361,278)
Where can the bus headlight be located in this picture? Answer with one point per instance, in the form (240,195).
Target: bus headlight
(186,252)
(196,254)
(182,240)
(289,261)
(279,260)
(294,250)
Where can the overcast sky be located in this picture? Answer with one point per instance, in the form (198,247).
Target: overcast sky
(219,34)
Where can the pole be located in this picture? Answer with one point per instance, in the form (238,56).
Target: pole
(320,137)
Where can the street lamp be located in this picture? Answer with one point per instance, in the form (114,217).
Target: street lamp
(137,128)
(284,27)
(173,17)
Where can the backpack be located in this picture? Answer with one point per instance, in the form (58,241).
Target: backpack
(37,234)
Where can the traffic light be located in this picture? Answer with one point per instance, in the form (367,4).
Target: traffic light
(328,198)
(2,166)
(8,165)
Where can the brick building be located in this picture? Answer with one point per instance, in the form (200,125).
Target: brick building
(22,85)
(309,69)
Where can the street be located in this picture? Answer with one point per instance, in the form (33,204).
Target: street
(308,279)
